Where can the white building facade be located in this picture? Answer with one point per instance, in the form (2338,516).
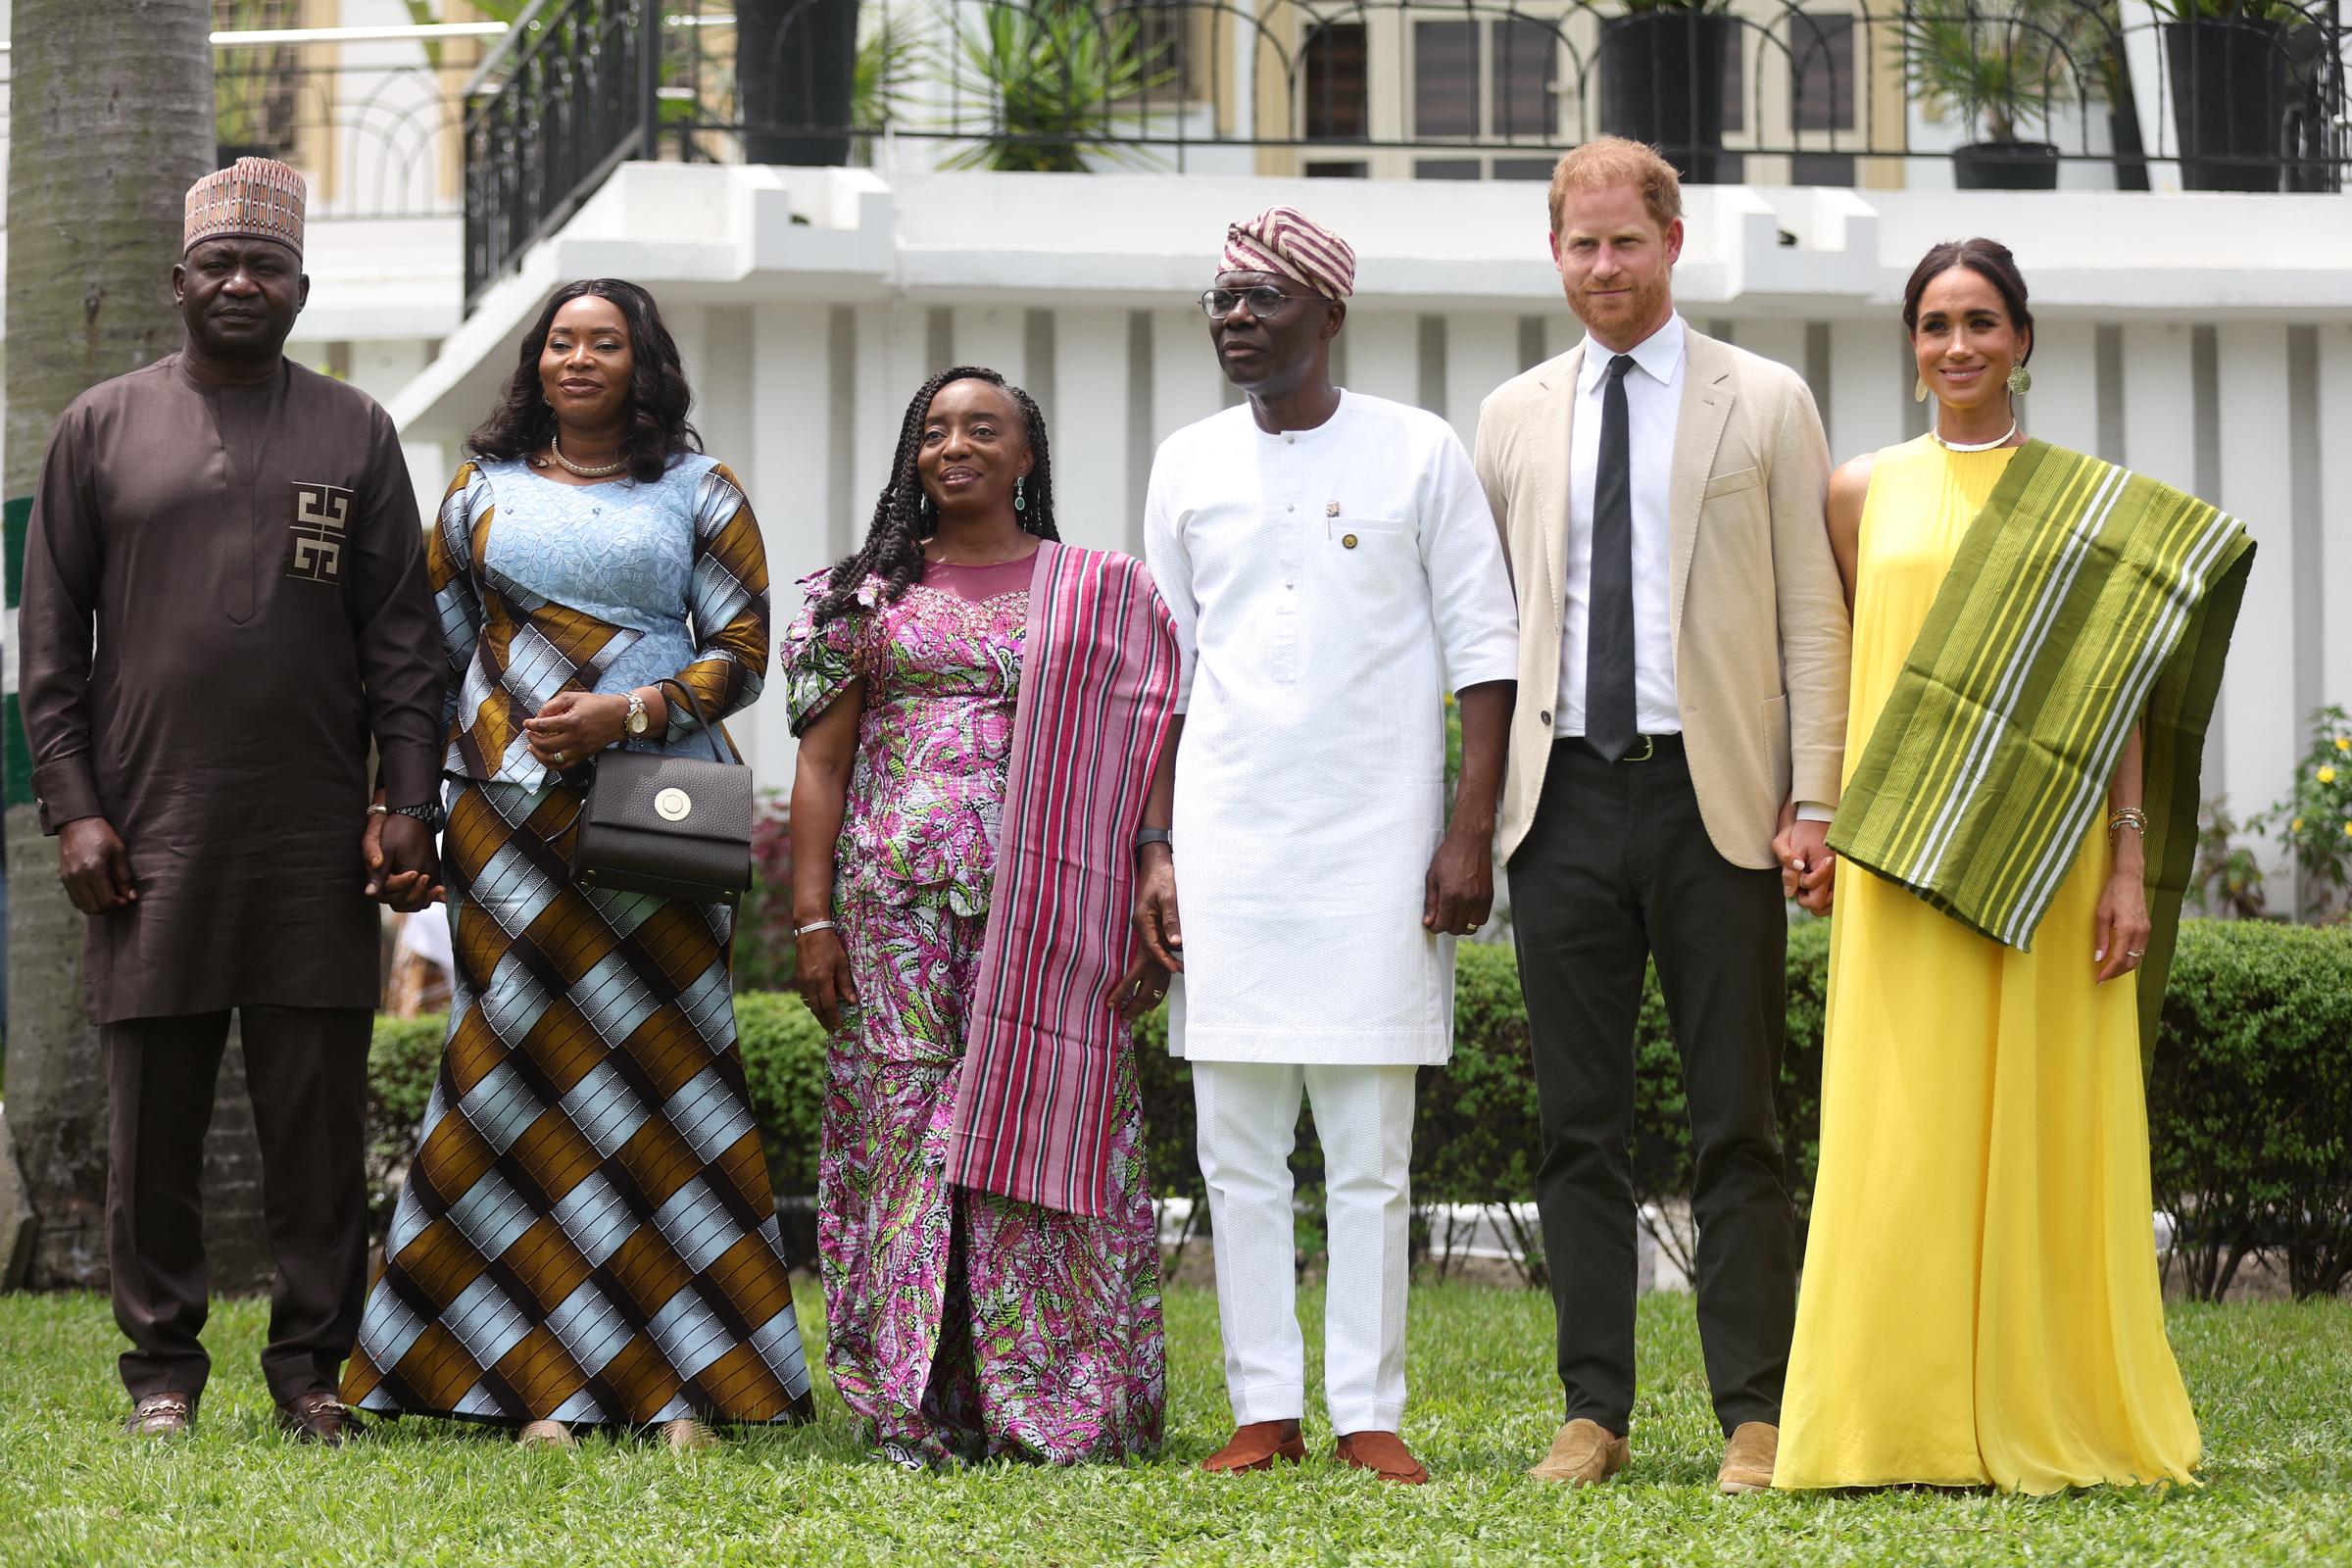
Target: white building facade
(2202,336)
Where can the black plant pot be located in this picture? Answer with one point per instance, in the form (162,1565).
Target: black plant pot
(796,65)
(2228,81)
(1661,81)
(2006,166)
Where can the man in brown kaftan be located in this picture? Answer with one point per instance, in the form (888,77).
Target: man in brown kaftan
(225,602)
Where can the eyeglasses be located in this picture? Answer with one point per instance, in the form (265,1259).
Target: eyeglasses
(1264,299)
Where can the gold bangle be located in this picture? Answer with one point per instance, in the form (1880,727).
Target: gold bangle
(2131,816)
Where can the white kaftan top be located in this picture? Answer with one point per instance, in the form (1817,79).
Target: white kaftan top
(1323,582)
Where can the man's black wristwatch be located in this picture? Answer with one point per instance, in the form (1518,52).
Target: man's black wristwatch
(429,813)
(1154,835)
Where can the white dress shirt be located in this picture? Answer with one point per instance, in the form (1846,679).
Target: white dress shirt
(1329,587)
(1653,403)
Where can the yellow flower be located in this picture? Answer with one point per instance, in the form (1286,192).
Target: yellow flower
(2296,826)
(2327,776)
(2348,831)
(2343,743)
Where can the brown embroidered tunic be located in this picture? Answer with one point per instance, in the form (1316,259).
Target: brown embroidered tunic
(251,564)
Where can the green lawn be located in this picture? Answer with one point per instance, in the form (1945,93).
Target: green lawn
(2273,1384)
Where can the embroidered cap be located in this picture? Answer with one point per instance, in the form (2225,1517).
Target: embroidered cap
(258,198)
(1286,241)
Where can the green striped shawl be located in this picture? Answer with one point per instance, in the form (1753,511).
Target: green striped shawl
(2083,598)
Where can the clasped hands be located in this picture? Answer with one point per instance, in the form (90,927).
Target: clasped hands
(1808,866)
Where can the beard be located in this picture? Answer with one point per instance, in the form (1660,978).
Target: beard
(1645,302)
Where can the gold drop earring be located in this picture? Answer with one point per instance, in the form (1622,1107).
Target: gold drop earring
(2021,379)
(1919,390)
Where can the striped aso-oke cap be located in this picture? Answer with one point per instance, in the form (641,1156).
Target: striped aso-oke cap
(257,198)
(1285,240)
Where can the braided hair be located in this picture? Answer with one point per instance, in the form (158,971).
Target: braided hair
(902,518)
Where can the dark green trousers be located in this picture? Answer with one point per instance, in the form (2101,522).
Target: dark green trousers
(1618,868)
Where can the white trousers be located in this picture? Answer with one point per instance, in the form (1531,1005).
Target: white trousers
(1249,1116)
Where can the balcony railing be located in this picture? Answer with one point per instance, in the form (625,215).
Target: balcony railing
(2011,93)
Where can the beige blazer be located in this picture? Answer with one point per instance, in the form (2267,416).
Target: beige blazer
(1761,638)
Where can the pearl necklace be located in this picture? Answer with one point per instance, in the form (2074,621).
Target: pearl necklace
(1933,434)
(555,444)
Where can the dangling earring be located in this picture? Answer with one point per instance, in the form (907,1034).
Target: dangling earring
(2021,379)
(1919,390)
(1020,502)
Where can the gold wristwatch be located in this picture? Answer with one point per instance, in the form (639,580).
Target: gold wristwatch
(638,718)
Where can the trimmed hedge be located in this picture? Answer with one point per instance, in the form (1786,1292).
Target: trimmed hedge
(2251,1104)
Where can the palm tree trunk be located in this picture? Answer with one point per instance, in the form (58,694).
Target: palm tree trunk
(110,119)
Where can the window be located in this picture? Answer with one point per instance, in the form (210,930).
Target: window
(1448,169)
(1171,72)
(1821,69)
(1337,97)
(1496,78)
(254,90)
(1524,169)
(1520,96)
(1359,169)
(1445,78)
(1735,81)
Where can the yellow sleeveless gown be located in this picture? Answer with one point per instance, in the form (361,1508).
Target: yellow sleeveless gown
(1981,1302)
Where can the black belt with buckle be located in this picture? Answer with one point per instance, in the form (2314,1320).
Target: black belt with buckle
(1645,747)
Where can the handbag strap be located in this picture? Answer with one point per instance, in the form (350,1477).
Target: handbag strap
(702,721)
(694,703)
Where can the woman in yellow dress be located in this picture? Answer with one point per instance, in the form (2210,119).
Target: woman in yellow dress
(1981,1302)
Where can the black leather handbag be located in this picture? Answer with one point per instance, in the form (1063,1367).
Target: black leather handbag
(676,827)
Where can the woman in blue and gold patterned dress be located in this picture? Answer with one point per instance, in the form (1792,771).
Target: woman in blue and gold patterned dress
(587,1235)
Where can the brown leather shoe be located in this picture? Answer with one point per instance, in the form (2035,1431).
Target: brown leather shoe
(1583,1453)
(1748,1458)
(1256,1447)
(162,1415)
(320,1417)
(1384,1454)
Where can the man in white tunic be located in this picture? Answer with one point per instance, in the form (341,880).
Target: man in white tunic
(1329,559)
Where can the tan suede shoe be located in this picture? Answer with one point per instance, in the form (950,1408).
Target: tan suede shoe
(1384,1454)
(1748,1458)
(1257,1446)
(1585,1453)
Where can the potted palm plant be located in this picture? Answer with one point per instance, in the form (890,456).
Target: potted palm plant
(1661,78)
(1056,76)
(2226,61)
(1995,66)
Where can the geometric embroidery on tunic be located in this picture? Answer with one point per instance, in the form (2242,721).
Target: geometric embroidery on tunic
(322,516)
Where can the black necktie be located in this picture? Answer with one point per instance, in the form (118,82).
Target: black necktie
(1609,727)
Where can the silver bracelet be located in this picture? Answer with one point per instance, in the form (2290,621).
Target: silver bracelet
(814,925)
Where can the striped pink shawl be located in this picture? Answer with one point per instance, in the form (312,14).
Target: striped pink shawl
(1098,691)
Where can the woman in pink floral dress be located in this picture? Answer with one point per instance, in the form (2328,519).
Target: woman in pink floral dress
(963,1324)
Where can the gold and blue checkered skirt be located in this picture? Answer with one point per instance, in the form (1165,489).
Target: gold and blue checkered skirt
(587,1233)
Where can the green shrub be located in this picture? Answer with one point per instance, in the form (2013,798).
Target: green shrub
(784,1066)
(2250,1102)
(402,1062)
(2250,1106)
